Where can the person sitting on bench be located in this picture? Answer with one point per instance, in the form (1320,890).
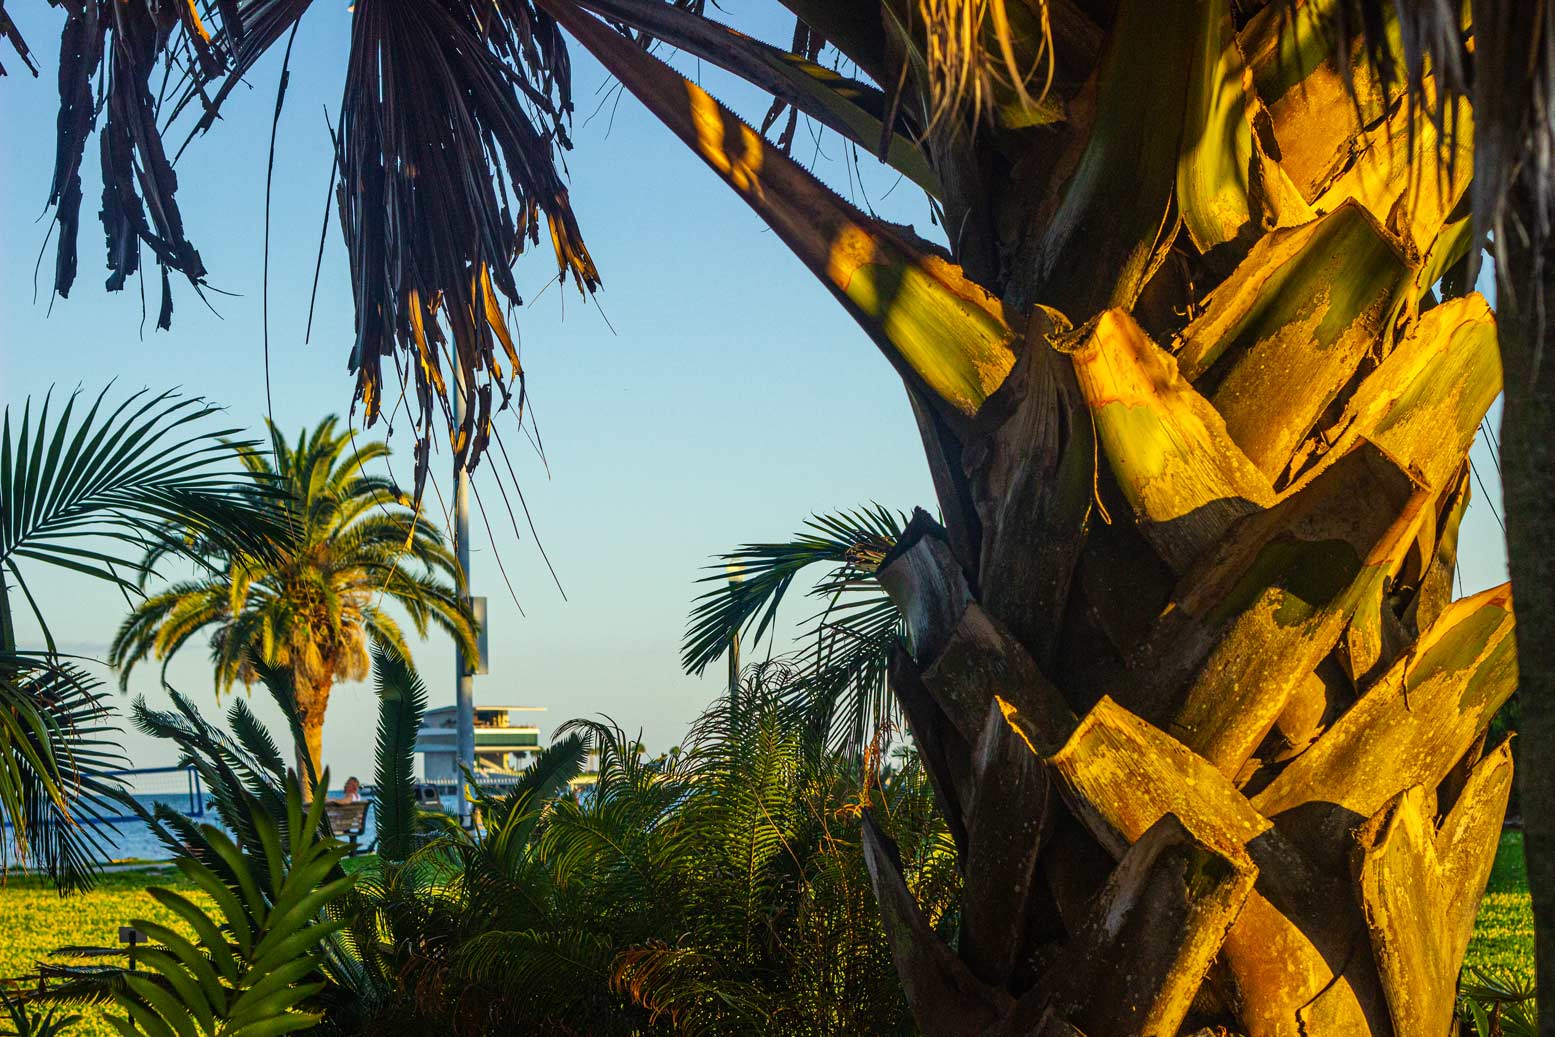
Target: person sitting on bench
(348,814)
(352,793)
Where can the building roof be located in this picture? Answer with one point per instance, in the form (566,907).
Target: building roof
(483,707)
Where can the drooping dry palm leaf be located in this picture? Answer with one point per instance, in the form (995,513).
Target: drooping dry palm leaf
(450,125)
(451,121)
(121,45)
(10,32)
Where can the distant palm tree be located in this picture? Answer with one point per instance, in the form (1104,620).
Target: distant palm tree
(311,609)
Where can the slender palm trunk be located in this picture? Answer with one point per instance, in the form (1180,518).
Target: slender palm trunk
(312,702)
(1527,312)
(7,624)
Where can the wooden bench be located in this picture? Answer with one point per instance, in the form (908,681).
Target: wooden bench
(348,821)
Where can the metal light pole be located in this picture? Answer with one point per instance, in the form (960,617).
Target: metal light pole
(464,675)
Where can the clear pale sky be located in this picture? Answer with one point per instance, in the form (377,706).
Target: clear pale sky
(732,398)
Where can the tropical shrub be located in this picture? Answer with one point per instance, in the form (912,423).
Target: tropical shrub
(718,888)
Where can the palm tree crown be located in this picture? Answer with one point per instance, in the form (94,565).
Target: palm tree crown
(311,608)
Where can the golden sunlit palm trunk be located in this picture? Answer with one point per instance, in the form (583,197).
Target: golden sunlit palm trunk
(1184,664)
(312,704)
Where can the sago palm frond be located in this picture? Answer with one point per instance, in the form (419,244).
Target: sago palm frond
(252,964)
(402,700)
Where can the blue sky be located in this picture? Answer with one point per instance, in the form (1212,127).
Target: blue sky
(731,399)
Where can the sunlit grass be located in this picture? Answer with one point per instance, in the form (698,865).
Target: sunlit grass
(35,920)
(1503,931)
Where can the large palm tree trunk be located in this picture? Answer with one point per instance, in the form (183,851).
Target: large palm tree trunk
(1183,661)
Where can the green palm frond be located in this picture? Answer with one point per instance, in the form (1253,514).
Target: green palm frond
(348,537)
(301,616)
(283,691)
(90,486)
(402,701)
(253,962)
(684,986)
(511,818)
(77,493)
(538,960)
(236,772)
(58,752)
(852,542)
(839,672)
(255,738)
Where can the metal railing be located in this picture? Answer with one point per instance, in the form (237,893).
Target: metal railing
(178,787)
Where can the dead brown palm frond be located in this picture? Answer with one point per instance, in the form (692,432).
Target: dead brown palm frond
(450,127)
(9,31)
(121,45)
(452,117)
(807,44)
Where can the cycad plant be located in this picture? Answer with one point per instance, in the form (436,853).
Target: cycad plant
(310,607)
(1196,378)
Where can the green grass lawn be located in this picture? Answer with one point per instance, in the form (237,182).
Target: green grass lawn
(1503,931)
(34,920)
